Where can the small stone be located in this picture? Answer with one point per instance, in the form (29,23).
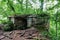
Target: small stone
(2,37)
(6,38)
(10,33)
(29,37)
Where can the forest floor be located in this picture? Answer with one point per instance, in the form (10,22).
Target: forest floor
(27,34)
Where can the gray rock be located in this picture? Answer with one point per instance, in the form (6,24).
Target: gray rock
(6,38)
(2,37)
(29,37)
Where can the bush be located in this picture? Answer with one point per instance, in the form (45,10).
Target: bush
(8,26)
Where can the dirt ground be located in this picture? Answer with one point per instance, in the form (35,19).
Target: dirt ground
(28,34)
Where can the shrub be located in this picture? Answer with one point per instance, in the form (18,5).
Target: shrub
(8,26)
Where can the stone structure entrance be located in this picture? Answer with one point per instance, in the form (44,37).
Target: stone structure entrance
(19,21)
(29,20)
